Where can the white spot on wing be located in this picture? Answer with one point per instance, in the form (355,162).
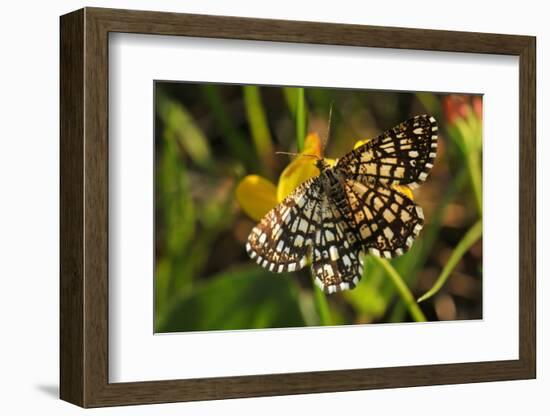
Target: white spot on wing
(346,260)
(319,283)
(303,226)
(374,251)
(250,252)
(328,270)
(262,238)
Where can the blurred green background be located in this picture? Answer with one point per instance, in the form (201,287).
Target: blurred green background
(210,136)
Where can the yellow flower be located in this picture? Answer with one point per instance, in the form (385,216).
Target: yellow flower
(257,195)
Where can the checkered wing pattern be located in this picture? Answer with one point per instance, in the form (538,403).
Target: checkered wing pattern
(403,155)
(282,240)
(350,209)
(386,221)
(336,261)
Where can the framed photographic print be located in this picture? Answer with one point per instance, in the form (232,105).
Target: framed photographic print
(260,207)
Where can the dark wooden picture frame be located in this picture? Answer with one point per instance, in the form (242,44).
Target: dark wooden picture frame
(84,207)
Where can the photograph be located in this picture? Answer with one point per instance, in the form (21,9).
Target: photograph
(288,207)
(243,193)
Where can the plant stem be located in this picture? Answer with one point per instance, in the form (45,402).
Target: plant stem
(467,241)
(402,289)
(475,177)
(422,249)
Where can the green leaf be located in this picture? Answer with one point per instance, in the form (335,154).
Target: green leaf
(162,282)
(180,124)
(466,134)
(175,219)
(175,204)
(367,299)
(242,299)
(322,306)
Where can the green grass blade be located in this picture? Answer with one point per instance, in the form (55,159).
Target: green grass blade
(180,123)
(300,119)
(467,241)
(237,143)
(402,289)
(290,96)
(410,264)
(466,134)
(259,128)
(321,305)
(475,177)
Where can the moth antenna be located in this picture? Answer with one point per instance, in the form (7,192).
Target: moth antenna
(296,154)
(286,153)
(327,137)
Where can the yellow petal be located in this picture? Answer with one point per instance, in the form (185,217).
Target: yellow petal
(301,168)
(361,143)
(256,196)
(405,190)
(313,145)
